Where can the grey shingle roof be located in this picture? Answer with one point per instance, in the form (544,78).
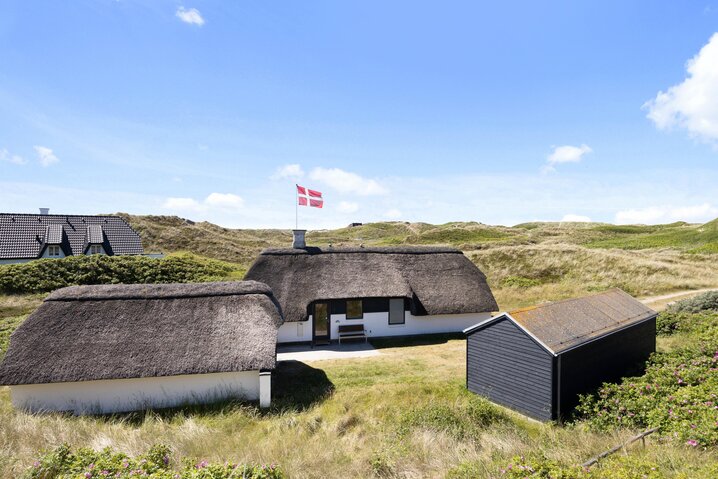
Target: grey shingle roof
(24,236)
(563,325)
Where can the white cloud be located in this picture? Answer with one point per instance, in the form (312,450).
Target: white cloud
(347,207)
(183,204)
(45,155)
(190,15)
(571,218)
(667,214)
(224,200)
(692,104)
(215,201)
(392,214)
(292,171)
(14,159)
(347,182)
(565,154)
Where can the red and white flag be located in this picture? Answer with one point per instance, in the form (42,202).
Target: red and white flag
(307,197)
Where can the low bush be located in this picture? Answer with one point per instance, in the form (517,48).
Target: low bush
(62,463)
(49,274)
(703,302)
(459,421)
(613,467)
(678,393)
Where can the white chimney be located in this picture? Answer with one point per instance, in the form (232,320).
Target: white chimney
(299,242)
(44,211)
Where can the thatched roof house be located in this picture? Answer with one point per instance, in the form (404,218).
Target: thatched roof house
(431,282)
(217,337)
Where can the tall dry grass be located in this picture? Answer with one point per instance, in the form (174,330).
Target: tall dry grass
(559,271)
(354,432)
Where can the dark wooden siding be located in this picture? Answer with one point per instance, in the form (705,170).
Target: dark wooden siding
(507,366)
(586,367)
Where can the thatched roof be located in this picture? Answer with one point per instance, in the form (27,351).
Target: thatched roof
(437,280)
(564,325)
(86,333)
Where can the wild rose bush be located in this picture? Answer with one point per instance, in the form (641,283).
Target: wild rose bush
(155,464)
(678,393)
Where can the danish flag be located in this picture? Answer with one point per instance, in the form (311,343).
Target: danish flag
(307,197)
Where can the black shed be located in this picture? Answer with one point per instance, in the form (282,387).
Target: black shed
(538,360)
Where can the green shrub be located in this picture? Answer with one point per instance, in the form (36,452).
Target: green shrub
(703,302)
(49,274)
(678,393)
(462,422)
(519,282)
(62,463)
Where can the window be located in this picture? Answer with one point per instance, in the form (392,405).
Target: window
(396,311)
(53,250)
(354,309)
(95,249)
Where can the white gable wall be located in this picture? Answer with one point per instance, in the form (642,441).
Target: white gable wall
(121,395)
(377,325)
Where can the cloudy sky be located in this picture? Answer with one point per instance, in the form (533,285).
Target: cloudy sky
(419,111)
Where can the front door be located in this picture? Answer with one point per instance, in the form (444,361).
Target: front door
(321,322)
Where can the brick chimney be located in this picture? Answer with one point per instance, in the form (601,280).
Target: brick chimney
(298,241)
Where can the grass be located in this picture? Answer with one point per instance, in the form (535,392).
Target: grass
(405,413)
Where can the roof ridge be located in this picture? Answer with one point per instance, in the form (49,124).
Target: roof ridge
(568,300)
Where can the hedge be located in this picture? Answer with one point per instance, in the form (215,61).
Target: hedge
(45,275)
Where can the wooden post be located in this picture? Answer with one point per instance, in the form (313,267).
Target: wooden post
(641,436)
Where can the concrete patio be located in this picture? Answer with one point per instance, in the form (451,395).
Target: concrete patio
(306,353)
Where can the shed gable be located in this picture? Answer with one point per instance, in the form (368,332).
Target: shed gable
(509,367)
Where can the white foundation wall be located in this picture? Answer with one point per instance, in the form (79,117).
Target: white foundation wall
(122,395)
(377,325)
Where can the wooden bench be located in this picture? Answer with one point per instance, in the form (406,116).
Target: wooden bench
(351,331)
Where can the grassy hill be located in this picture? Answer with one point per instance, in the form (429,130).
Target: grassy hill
(525,264)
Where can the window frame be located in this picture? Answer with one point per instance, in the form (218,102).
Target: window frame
(53,251)
(95,249)
(361,306)
(403,312)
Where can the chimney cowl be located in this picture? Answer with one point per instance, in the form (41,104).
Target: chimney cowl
(44,211)
(298,241)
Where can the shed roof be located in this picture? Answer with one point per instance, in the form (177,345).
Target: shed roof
(438,280)
(563,325)
(84,333)
(24,236)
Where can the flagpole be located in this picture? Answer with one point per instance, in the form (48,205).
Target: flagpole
(296,206)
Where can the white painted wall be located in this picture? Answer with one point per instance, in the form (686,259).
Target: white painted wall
(121,395)
(377,325)
(295,332)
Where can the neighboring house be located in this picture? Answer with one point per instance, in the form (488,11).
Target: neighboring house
(394,291)
(538,360)
(114,348)
(25,237)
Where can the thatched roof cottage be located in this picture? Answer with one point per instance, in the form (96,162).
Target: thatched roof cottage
(113,348)
(326,293)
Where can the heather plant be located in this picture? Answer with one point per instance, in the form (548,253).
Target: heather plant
(62,463)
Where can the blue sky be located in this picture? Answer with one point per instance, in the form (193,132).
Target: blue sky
(498,112)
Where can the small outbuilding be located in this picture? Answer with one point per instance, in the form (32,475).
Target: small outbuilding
(115,348)
(538,360)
